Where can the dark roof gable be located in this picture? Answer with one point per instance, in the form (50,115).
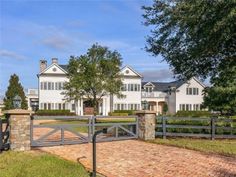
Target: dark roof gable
(65,67)
(164,86)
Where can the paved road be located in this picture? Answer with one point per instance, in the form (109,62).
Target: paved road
(134,158)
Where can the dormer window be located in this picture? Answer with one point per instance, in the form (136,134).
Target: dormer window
(149,89)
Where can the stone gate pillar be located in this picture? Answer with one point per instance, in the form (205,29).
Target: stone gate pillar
(146,124)
(19,129)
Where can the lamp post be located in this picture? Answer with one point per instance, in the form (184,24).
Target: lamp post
(145,105)
(17,102)
(94,149)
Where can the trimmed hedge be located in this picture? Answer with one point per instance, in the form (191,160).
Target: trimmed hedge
(117,114)
(129,112)
(54,113)
(193,114)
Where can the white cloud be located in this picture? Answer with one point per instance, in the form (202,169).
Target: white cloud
(11,55)
(157,75)
(57,42)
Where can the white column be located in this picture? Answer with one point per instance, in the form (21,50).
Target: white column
(77,107)
(81,107)
(104,106)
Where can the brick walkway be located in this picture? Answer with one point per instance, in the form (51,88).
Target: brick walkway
(133,158)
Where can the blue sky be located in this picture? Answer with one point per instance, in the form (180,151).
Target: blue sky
(31,30)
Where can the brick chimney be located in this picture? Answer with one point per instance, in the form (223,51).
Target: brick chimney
(42,65)
(54,60)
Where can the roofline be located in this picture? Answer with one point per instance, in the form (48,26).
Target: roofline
(51,66)
(149,83)
(200,82)
(132,70)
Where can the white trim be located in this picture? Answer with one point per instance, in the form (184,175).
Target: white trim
(149,83)
(53,64)
(127,66)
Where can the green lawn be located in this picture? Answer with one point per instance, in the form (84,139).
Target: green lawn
(225,147)
(37,164)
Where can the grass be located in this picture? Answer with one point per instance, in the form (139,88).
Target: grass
(37,164)
(224,147)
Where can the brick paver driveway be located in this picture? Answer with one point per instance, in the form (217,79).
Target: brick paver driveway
(134,158)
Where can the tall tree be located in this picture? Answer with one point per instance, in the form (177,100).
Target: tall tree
(197,38)
(14,88)
(94,75)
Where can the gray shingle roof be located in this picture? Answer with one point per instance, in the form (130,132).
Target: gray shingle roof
(64,67)
(164,86)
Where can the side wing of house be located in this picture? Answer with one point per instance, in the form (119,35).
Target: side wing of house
(189,96)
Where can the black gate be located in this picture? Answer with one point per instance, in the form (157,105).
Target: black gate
(4,134)
(65,130)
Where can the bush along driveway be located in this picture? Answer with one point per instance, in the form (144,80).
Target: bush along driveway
(132,158)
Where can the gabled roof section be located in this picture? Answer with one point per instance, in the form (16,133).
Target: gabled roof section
(50,69)
(164,86)
(201,83)
(129,71)
(149,84)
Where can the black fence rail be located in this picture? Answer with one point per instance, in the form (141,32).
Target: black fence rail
(4,134)
(196,127)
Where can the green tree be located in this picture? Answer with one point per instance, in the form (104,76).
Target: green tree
(14,88)
(197,38)
(221,99)
(94,75)
(165,108)
(222,96)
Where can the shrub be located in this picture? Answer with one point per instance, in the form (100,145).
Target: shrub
(117,114)
(129,112)
(193,114)
(54,113)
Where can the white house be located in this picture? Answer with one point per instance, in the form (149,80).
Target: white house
(52,78)
(178,95)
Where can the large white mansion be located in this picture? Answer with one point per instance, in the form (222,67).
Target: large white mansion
(178,95)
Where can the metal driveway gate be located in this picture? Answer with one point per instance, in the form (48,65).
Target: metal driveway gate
(62,130)
(4,134)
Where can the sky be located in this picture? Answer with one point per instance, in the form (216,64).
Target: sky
(31,30)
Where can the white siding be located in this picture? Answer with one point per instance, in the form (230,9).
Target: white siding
(183,98)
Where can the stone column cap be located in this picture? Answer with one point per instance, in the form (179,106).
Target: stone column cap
(18,111)
(145,112)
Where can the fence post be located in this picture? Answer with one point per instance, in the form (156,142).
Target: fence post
(164,127)
(1,137)
(19,129)
(146,124)
(62,136)
(213,128)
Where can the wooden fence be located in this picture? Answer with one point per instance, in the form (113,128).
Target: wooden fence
(196,127)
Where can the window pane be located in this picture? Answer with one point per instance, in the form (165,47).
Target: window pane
(45,106)
(190,91)
(45,85)
(73,107)
(49,106)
